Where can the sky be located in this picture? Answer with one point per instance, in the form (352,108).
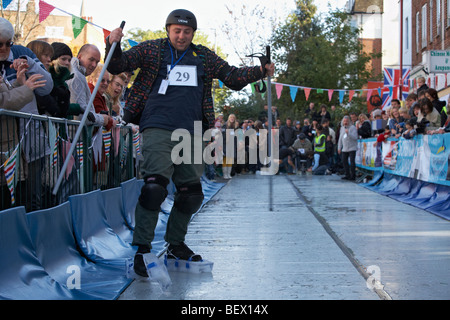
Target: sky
(151,15)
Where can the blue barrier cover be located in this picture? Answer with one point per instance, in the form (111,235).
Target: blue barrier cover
(115,214)
(46,249)
(425,157)
(94,235)
(131,190)
(52,234)
(22,276)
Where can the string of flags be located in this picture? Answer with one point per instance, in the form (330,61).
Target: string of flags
(45,9)
(61,147)
(387,89)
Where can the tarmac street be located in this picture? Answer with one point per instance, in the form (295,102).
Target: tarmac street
(325,239)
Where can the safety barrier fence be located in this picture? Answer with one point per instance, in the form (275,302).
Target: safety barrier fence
(415,171)
(77,250)
(33,149)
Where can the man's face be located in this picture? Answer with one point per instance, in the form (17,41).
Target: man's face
(89,60)
(395,104)
(180,36)
(345,122)
(5,48)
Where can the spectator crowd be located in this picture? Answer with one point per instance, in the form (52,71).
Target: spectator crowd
(47,79)
(325,143)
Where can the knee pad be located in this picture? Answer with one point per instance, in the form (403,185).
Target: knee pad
(189,198)
(153,192)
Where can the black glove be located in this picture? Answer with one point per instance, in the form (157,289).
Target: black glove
(91,117)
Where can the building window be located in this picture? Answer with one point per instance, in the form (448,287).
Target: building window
(438,17)
(407,33)
(448,13)
(424,26)
(417,31)
(431,21)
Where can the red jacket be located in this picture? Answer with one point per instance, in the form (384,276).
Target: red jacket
(100,105)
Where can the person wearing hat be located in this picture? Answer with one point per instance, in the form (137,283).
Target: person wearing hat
(173,90)
(303,150)
(62,54)
(57,103)
(35,147)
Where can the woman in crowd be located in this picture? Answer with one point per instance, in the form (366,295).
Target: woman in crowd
(43,51)
(228,134)
(396,123)
(429,113)
(15,98)
(365,127)
(440,107)
(113,94)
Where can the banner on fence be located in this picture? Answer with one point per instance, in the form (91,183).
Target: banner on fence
(426,157)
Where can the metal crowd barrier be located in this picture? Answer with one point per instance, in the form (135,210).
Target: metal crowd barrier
(33,149)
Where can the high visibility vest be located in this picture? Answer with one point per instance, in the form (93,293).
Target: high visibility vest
(317,147)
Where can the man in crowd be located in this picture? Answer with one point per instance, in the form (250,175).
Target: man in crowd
(82,66)
(347,146)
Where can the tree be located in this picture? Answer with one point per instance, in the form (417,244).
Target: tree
(318,53)
(24,18)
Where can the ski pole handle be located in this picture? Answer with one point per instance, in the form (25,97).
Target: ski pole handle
(268,54)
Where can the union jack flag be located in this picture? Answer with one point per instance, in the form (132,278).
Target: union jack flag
(392,85)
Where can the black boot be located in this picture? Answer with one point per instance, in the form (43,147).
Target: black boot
(182,252)
(139,265)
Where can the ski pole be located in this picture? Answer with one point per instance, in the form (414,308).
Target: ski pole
(84,118)
(269,118)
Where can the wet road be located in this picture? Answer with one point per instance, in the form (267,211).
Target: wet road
(324,239)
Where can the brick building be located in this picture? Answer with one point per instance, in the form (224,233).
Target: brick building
(376,19)
(430,30)
(57,27)
(425,25)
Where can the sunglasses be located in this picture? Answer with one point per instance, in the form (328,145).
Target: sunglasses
(8,44)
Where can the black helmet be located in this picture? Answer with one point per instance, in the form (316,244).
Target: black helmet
(183,17)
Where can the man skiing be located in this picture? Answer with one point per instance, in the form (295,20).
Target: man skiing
(172,91)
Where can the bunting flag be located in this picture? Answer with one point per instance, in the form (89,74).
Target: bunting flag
(132,43)
(77,25)
(106,34)
(330,94)
(55,152)
(307,91)
(80,153)
(278,88)
(351,93)
(107,141)
(9,167)
(44,10)
(66,149)
(369,94)
(293,91)
(136,143)
(6,3)
(341,96)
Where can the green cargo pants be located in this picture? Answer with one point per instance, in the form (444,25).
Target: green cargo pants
(157,150)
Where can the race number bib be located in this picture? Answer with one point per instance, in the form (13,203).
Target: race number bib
(185,76)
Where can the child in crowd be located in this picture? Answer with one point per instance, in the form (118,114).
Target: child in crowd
(410,132)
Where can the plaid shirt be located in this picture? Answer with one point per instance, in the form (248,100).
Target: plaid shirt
(147,57)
